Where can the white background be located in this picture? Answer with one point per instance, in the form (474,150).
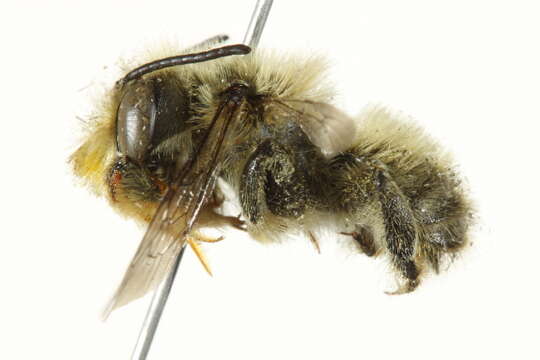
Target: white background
(468,71)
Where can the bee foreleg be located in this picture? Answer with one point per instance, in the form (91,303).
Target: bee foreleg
(204,238)
(193,241)
(211,218)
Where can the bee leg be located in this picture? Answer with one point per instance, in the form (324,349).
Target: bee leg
(367,184)
(400,229)
(216,219)
(211,218)
(217,199)
(364,238)
(203,238)
(440,240)
(193,241)
(444,222)
(314,241)
(234,221)
(271,183)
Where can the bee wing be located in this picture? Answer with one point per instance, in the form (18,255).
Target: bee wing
(327,127)
(176,215)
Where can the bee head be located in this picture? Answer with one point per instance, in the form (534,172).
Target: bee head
(152,137)
(144,133)
(152,109)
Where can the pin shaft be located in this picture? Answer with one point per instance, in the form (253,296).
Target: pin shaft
(257,22)
(153,315)
(161,294)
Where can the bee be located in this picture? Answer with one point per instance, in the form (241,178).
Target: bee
(264,123)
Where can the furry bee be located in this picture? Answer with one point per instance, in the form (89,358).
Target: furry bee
(264,124)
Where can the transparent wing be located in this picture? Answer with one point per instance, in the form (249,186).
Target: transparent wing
(327,127)
(176,215)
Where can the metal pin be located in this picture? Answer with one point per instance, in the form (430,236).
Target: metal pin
(257,22)
(161,294)
(153,315)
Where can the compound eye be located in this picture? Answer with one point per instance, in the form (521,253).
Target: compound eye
(135,120)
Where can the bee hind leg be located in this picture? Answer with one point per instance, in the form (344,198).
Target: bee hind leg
(401,231)
(363,183)
(445,223)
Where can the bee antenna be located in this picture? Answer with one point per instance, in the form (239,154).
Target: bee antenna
(230,50)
